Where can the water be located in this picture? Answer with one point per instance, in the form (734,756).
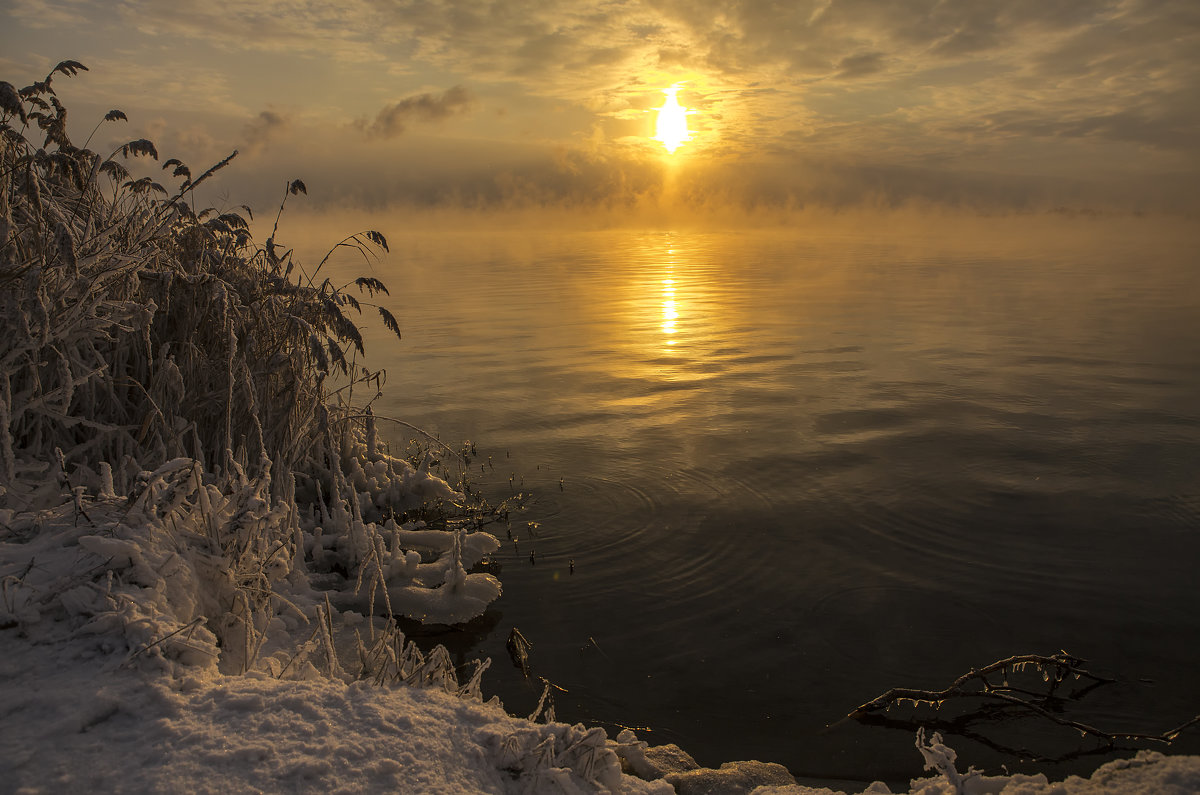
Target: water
(795,468)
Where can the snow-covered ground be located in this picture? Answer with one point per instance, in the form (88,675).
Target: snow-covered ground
(97,695)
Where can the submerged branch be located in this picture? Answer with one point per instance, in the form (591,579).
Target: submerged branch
(975,684)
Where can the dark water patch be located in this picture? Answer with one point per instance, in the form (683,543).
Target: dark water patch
(814,463)
(706,367)
(835,469)
(663,361)
(1133,418)
(835,351)
(854,421)
(848,622)
(1067,361)
(676,385)
(757,400)
(1177,510)
(761,359)
(950,353)
(1133,380)
(838,366)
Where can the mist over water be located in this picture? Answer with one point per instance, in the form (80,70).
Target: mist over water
(796,468)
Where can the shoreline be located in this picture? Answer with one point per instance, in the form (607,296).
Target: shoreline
(96,710)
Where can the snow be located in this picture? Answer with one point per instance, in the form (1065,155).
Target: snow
(106,729)
(101,691)
(110,682)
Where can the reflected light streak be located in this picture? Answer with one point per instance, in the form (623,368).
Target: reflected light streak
(667,329)
(669,311)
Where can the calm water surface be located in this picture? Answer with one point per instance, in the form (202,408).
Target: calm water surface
(794,469)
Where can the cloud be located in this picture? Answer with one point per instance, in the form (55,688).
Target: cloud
(861,65)
(1173,130)
(263,129)
(394,119)
(1065,87)
(345,30)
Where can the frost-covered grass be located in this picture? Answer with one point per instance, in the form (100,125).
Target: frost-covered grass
(157,355)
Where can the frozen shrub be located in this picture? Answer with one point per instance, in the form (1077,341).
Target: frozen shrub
(157,353)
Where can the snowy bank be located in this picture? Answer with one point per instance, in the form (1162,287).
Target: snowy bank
(98,697)
(110,681)
(89,708)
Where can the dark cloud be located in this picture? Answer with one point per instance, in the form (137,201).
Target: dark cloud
(861,65)
(262,129)
(1173,130)
(394,119)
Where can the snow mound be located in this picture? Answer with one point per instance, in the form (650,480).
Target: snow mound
(117,634)
(94,726)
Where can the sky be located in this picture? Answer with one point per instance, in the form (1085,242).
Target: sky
(1011,105)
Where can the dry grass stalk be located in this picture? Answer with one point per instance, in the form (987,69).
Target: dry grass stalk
(157,352)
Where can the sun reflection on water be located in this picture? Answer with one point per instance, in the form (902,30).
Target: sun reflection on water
(670,295)
(670,311)
(670,317)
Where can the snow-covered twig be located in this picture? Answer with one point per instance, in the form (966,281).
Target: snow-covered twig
(1055,669)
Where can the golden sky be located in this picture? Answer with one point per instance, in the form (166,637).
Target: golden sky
(1014,104)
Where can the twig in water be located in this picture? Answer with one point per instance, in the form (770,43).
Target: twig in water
(518,650)
(1055,669)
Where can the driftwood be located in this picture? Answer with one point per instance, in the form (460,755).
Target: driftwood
(976,684)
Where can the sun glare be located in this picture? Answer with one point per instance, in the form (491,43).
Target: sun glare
(672,129)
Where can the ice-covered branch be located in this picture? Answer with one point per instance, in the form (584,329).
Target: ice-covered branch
(976,685)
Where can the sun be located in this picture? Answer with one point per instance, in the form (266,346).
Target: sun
(672,129)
